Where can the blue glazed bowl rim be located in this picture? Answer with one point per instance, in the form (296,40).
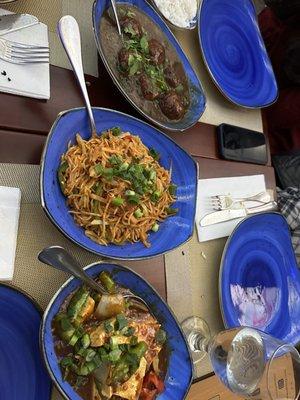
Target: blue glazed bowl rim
(227,244)
(218,85)
(116,82)
(65,284)
(55,223)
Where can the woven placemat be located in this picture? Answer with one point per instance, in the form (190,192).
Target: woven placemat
(192,273)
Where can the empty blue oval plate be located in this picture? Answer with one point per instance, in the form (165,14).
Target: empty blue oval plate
(259,278)
(179,365)
(23,375)
(173,232)
(235,54)
(198,101)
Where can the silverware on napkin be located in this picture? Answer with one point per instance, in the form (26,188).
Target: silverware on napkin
(229,214)
(13,22)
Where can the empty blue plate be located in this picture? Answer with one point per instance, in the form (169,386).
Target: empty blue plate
(173,232)
(179,372)
(23,375)
(259,278)
(235,54)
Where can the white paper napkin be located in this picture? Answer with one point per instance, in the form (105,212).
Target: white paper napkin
(241,186)
(30,80)
(10,199)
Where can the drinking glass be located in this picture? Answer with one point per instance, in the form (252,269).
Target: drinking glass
(248,362)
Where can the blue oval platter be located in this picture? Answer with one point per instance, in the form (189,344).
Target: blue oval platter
(173,232)
(23,374)
(198,101)
(179,371)
(259,278)
(235,54)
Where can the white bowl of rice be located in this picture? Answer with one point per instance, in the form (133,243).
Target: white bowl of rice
(180,14)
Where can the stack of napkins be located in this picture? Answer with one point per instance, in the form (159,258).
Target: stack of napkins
(10,199)
(31,80)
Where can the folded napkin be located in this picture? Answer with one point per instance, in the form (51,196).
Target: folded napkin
(30,80)
(10,199)
(241,186)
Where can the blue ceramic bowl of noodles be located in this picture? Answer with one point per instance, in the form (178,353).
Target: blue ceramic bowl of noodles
(173,232)
(179,368)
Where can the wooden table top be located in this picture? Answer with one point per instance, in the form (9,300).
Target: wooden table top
(25,123)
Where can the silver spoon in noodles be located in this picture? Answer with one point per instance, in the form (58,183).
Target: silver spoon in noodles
(110,303)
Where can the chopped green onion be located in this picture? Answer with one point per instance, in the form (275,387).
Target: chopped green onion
(108,173)
(115,160)
(172,189)
(139,349)
(154,154)
(124,167)
(66,362)
(129,331)
(152,175)
(121,322)
(90,354)
(116,131)
(61,175)
(115,355)
(108,327)
(155,196)
(85,341)
(133,340)
(161,336)
(74,339)
(107,282)
(134,199)
(138,213)
(171,211)
(117,201)
(129,193)
(98,169)
(66,324)
(91,366)
(82,371)
(155,227)
(81,352)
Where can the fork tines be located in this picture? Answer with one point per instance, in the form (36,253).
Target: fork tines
(20,53)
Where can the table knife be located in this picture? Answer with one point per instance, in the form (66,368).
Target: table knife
(229,214)
(13,22)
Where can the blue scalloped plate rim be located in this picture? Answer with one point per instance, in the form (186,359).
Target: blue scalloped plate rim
(23,374)
(198,100)
(184,174)
(179,374)
(215,68)
(259,252)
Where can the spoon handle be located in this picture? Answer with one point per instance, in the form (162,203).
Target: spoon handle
(57,257)
(69,34)
(114,7)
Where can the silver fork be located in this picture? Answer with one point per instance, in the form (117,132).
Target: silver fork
(19,53)
(224,202)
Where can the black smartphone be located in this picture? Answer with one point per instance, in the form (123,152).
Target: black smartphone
(239,144)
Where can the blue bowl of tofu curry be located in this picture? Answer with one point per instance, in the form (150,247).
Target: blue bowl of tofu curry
(99,347)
